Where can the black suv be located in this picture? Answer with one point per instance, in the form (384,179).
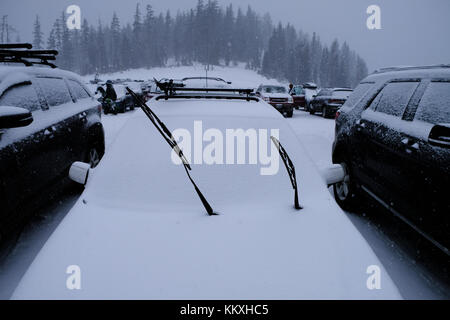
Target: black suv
(48,120)
(328,101)
(393,139)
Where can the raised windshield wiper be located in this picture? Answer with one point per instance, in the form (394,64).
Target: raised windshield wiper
(290,169)
(167,135)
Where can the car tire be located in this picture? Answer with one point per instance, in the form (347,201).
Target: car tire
(346,193)
(289,114)
(311,110)
(324,112)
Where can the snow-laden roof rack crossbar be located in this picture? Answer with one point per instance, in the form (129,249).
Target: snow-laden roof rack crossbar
(22,53)
(406,68)
(173,90)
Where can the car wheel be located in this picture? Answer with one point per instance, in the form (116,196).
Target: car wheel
(324,112)
(311,110)
(346,193)
(93,157)
(289,114)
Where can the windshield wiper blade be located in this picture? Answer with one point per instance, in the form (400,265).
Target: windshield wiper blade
(167,135)
(290,169)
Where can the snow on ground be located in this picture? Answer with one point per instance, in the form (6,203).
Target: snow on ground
(238,75)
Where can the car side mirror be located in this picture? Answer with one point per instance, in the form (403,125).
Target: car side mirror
(14,117)
(229,82)
(258,93)
(314,95)
(440,136)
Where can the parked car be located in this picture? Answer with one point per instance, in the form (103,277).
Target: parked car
(48,120)
(277,97)
(139,205)
(328,101)
(310,89)
(393,138)
(298,95)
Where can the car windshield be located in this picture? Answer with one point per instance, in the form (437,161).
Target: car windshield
(298,90)
(342,94)
(275,89)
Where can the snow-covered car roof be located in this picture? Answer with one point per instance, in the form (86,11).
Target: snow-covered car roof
(410,72)
(34,71)
(139,230)
(10,75)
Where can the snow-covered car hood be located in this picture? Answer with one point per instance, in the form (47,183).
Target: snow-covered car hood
(139,230)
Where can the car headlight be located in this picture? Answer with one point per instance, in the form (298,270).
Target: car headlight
(267,99)
(291,100)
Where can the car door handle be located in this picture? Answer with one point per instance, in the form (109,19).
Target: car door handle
(410,145)
(82,116)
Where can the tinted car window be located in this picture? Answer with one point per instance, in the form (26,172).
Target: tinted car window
(77,90)
(54,90)
(435,104)
(394,98)
(23,96)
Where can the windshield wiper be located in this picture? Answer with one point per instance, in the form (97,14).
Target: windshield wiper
(290,169)
(167,135)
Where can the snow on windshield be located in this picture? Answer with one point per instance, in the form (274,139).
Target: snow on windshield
(341,94)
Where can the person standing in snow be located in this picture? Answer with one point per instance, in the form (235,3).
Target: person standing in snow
(110,92)
(291,88)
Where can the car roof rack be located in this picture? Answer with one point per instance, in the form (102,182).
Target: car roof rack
(203,78)
(174,90)
(22,53)
(406,68)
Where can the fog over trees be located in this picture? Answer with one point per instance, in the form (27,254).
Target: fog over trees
(208,34)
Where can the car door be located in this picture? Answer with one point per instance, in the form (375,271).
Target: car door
(429,161)
(21,148)
(84,106)
(380,138)
(61,120)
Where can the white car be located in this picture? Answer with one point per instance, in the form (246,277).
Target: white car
(139,230)
(206,82)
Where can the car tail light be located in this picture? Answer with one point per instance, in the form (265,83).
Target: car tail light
(338,113)
(335,101)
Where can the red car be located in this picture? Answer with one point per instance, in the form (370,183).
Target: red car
(298,94)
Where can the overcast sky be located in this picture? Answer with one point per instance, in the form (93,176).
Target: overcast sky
(414,32)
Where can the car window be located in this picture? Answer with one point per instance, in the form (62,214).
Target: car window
(434,107)
(394,98)
(358,94)
(298,91)
(55,91)
(77,90)
(22,95)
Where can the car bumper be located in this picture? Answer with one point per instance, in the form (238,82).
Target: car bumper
(282,107)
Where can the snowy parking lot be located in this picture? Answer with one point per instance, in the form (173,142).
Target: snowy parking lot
(419,270)
(409,266)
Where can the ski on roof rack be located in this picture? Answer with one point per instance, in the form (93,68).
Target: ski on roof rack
(174,90)
(28,57)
